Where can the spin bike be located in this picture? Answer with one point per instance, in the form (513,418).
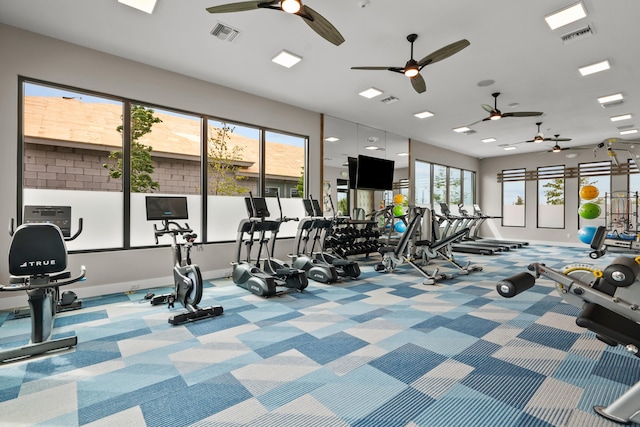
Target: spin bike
(186,275)
(608,300)
(37,264)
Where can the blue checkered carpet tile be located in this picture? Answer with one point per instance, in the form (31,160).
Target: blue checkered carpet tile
(382,350)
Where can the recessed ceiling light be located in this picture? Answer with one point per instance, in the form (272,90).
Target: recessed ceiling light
(621,117)
(594,68)
(628,132)
(566,16)
(571,155)
(511,147)
(424,114)
(489,140)
(610,98)
(332,139)
(143,5)
(462,129)
(286,59)
(402,154)
(371,147)
(372,92)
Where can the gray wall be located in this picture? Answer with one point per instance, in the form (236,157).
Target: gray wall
(31,55)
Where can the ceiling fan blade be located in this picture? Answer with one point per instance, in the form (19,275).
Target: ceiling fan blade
(558,139)
(488,108)
(522,114)
(376,68)
(240,7)
(418,83)
(444,52)
(320,25)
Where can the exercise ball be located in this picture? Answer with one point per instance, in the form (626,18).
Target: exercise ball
(398,210)
(589,211)
(585,234)
(400,227)
(398,199)
(589,192)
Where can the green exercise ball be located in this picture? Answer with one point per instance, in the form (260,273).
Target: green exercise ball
(589,211)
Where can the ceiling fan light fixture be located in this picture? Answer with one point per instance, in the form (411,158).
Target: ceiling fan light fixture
(290,6)
(556,148)
(495,116)
(411,70)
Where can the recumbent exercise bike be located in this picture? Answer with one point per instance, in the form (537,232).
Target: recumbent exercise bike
(609,300)
(186,275)
(37,264)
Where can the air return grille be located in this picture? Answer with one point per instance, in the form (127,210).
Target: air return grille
(579,34)
(224,32)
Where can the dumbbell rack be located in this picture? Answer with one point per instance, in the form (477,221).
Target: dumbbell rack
(352,237)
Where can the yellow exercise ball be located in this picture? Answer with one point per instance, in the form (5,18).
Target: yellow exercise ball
(398,199)
(588,192)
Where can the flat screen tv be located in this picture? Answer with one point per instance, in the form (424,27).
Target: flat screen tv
(166,207)
(374,173)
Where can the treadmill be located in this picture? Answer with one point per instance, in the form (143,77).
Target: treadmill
(457,223)
(481,219)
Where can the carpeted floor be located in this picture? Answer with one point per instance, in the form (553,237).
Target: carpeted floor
(383,350)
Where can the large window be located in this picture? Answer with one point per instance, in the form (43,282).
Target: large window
(435,184)
(67,139)
(513,201)
(73,155)
(551,197)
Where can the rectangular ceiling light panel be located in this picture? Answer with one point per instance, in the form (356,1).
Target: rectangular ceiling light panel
(143,5)
(594,68)
(566,16)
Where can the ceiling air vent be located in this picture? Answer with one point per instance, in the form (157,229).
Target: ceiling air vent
(612,104)
(389,100)
(470,132)
(579,34)
(224,32)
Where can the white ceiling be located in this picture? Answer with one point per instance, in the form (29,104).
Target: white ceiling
(510,44)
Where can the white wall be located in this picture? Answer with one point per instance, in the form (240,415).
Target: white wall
(31,55)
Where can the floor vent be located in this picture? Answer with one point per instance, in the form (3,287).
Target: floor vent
(579,34)
(224,32)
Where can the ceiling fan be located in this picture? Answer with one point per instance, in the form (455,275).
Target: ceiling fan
(540,137)
(313,19)
(412,68)
(556,148)
(495,114)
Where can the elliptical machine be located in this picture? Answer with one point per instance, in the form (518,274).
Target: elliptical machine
(303,257)
(344,267)
(37,264)
(186,275)
(247,273)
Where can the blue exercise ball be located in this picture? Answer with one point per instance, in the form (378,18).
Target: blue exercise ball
(400,227)
(585,234)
